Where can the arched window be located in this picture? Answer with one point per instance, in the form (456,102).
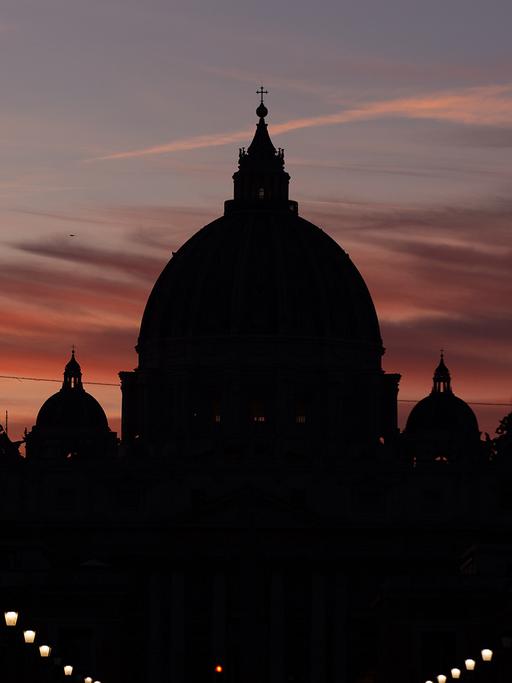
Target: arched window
(261,193)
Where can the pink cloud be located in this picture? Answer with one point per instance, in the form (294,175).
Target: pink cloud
(484,105)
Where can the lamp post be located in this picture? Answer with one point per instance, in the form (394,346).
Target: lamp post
(15,658)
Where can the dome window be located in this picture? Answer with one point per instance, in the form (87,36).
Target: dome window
(216,412)
(257,412)
(300,412)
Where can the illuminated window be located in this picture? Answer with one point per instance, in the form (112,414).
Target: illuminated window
(216,412)
(261,193)
(257,412)
(300,412)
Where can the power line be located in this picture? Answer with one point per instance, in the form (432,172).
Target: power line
(114,384)
(59,381)
(473,403)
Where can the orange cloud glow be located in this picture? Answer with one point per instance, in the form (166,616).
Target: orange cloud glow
(439,278)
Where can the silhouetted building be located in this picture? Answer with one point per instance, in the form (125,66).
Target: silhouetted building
(259,322)
(442,427)
(263,512)
(71,423)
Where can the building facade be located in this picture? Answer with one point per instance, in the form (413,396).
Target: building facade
(261,511)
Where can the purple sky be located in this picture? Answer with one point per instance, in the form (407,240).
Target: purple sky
(121,121)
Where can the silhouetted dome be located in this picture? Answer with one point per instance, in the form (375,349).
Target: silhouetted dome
(71,424)
(76,411)
(260,270)
(259,320)
(442,412)
(72,409)
(260,273)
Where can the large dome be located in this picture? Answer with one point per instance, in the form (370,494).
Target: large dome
(260,273)
(261,319)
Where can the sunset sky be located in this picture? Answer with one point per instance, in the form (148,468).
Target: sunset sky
(121,122)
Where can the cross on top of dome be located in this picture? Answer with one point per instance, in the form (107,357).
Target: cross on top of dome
(261,111)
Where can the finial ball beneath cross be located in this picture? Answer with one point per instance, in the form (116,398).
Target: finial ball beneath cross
(261,111)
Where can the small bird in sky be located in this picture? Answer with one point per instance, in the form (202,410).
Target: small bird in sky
(72,235)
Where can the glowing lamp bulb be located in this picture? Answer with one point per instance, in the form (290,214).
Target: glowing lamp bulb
(428,681)
(441,678)
(44,650)
(486,655)
(455,673)
(87,679)
(218,669)
(11,618)
(68,670)
(29,636)
(470,664)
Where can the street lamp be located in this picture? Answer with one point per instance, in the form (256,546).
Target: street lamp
(455,673)
(68,670)
(29,636)
(87,679)
(470,664)
(441,678)
(486,655)
(11,618)
(44,650)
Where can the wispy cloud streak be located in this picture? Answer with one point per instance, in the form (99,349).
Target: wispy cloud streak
(488,105)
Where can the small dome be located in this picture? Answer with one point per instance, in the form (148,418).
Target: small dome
(443,412)
(442,426)
(72,411)
(71,422)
